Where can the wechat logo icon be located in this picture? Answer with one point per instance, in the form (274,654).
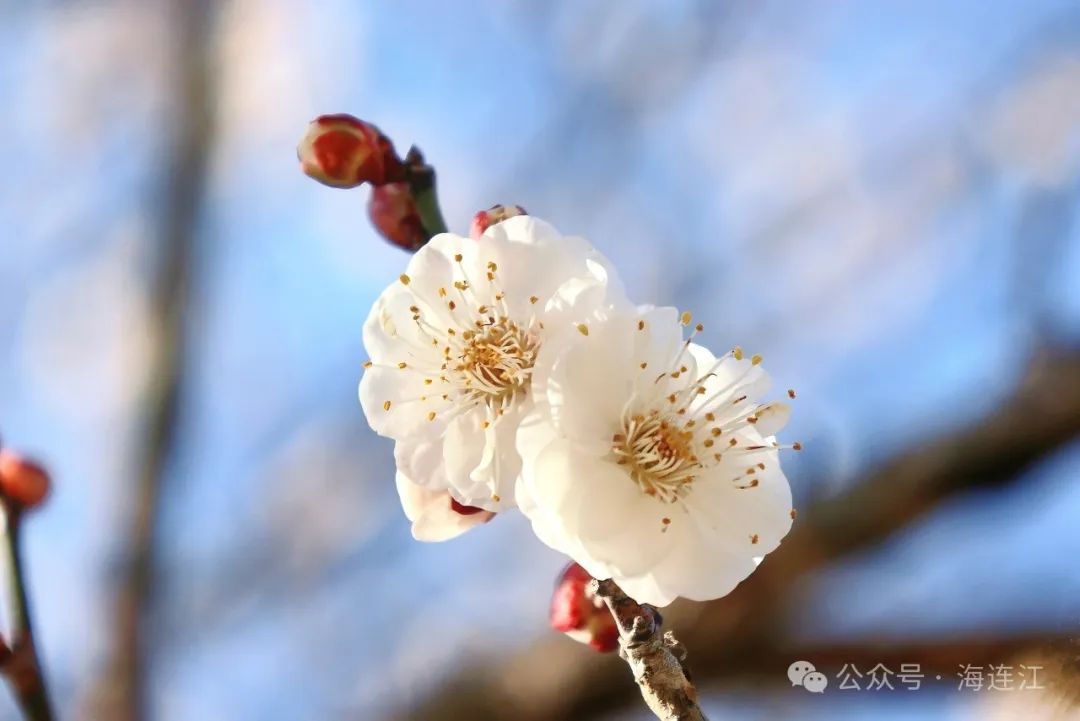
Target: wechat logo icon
(803,673)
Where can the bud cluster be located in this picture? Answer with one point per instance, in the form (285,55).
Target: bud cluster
(345,152)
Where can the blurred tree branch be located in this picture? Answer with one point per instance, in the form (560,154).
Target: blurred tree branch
(121,693)
(553,681)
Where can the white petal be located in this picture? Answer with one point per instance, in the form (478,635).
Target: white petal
(493,481)
(700,574)
(771,418)
(694,569)
(619,529)
(391,402)
(434,266)
(646,588)
(431,513)
(533,259)
(421,460)
(465,446)
(732,517)
(467,460)
(535,432)
(658,335)
(589,381)
(728,378)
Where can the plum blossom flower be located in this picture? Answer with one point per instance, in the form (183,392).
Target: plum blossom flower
(435,515)
(454,344)
(649,460)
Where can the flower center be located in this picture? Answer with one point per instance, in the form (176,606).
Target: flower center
(471,351)
(658,453)
(681,425)
(496,362)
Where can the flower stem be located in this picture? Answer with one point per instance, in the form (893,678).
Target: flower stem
(657,661)
(421,178)
(23,668)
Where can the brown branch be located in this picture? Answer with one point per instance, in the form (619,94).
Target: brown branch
(120,695)
(20,664)
(1041,416)
(658,662)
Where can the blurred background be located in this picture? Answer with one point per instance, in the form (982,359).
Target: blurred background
(881,198)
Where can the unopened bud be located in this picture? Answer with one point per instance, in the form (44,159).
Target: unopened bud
(463,510)
(393,213)
(342,151)
(581,614)
(495,214)
(22,480)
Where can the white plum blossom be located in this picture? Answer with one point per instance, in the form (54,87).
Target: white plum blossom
(453,345)
(435,515)
(649,460)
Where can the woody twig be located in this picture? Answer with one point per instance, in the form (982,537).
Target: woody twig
(657,661)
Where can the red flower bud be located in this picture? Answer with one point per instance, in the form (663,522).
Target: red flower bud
(495,214)
(22,480)
(580,614)
(463,510)
(342,151)
(393,212)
